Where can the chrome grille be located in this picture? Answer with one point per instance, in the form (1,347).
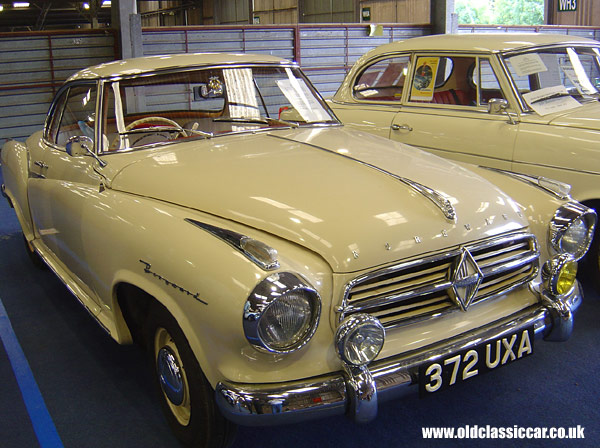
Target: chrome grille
(420,289)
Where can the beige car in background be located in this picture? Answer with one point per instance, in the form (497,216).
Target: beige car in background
(276,265)
(526,103)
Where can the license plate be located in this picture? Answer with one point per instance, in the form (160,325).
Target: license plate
(460,366)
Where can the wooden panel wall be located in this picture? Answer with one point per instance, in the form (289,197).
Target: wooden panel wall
(275,11)
(587,13)
(398,11)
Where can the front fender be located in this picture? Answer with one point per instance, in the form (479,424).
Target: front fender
(201,280)
(15,172)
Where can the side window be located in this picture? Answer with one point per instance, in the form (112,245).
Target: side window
(485,78)
(383,81)
(444,80)
(79,114)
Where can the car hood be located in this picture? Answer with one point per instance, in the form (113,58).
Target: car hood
(332,190)
(585,117)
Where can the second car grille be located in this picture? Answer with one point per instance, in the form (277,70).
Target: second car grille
(421,289)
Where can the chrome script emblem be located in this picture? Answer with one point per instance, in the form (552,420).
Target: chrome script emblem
(466,279)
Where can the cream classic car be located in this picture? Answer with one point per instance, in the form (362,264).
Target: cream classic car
(521,102)
(276,265)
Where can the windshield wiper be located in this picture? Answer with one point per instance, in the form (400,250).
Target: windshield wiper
(258,120)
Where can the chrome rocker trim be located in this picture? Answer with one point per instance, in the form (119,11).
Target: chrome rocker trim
(356,392)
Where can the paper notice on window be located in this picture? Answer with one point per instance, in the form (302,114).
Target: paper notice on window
(583,85)
(303,100)
(424,79)
(528,64)
(550,100)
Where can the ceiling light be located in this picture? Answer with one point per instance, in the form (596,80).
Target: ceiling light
(86,5)
(106,4)
(21,5)
(1,8)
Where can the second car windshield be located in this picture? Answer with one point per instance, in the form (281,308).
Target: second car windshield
(566,70)
(203,103)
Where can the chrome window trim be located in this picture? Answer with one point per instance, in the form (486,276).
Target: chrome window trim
(345,308)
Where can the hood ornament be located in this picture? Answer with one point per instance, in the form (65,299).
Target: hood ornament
(466,279)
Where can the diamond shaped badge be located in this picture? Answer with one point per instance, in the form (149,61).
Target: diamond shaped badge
(466,279)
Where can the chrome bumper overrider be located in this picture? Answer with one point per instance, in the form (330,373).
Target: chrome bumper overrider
(356,391)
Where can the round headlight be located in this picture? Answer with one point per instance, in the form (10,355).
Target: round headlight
(359,339)
(559,274)
(572,229)
(286,321)
(281,314)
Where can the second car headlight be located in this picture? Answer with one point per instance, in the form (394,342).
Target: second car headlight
(572,229)
(281,314)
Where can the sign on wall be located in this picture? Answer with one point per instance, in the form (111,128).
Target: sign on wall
(567,5)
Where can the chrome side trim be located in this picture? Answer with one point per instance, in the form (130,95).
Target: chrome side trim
(434,196)
(332,394)
(238,242)
(559,189)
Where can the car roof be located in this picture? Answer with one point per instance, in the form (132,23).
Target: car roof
(481,42)
(138,66)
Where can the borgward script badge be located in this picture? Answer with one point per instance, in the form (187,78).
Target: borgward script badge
(466,279)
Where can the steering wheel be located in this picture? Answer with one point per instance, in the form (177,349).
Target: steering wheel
(176,127)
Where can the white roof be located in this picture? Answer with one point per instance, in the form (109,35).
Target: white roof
(484,42)
(147,64)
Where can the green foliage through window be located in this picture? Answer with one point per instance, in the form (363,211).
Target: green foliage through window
(500,12)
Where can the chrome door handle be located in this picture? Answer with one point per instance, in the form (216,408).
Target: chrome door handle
(40,164)
(404,127)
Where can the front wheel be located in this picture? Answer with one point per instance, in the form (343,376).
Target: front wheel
(185,394)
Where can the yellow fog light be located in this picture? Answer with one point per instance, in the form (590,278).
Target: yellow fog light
(559,274)
(566,277)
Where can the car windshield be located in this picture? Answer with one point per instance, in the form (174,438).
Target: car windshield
(203,103)
(566,75)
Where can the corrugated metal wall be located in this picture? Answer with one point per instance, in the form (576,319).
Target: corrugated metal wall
(325,52)
(34,65)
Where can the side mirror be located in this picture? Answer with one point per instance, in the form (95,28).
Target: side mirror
(497,106)
(80,145)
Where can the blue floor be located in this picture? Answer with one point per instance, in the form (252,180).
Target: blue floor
(99,394)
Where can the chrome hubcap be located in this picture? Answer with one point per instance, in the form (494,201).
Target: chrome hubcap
(172,377)
(169,374)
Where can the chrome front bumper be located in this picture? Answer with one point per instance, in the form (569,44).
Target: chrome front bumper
(357,392)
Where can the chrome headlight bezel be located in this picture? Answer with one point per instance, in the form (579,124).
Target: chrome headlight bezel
(268,292)
(564,222)
(351,326)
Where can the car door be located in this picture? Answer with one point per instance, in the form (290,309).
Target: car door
(378,89)
(445,111)
(62,185)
